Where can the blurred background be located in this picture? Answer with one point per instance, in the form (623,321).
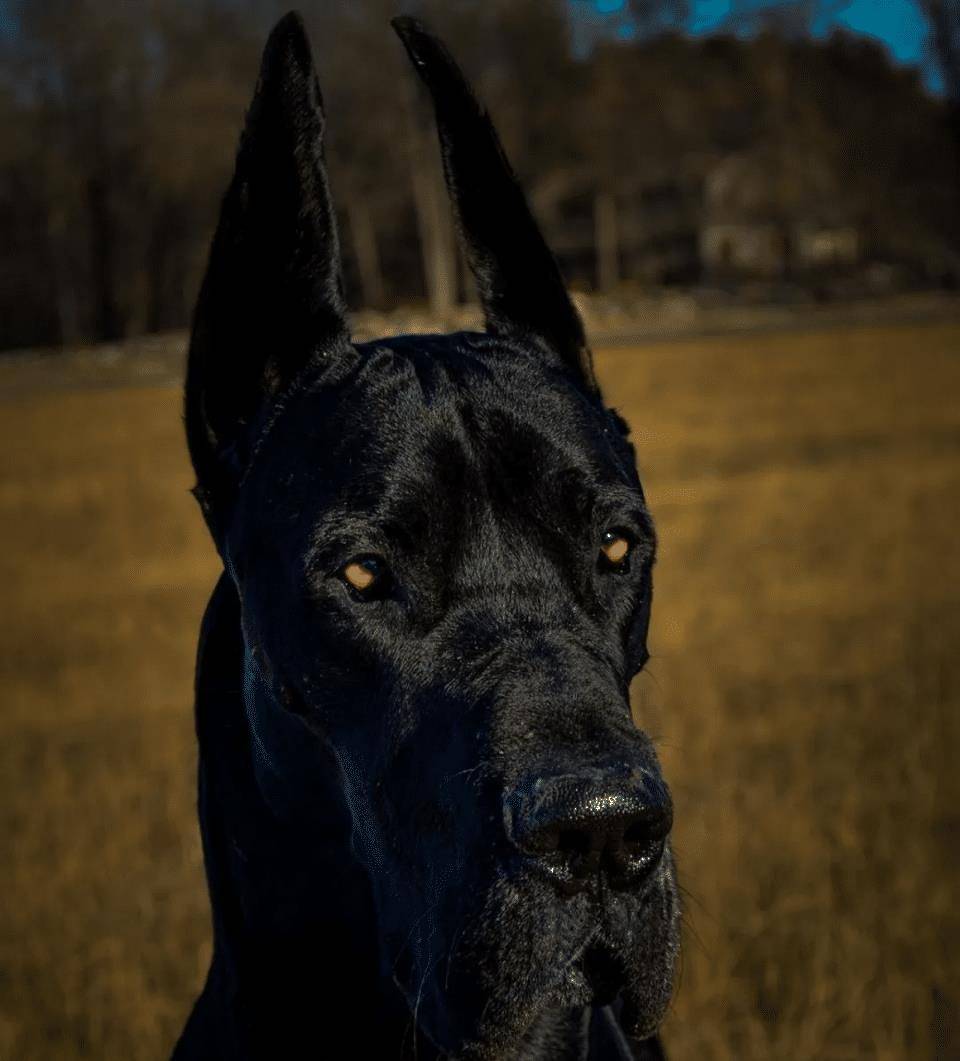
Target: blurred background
(757,205)
(764,150)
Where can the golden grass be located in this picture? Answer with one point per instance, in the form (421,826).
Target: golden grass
(805,690)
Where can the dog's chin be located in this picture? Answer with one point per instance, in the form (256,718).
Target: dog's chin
(624,955)
(521,1020)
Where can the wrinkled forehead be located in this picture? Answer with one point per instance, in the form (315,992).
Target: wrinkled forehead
(420,430)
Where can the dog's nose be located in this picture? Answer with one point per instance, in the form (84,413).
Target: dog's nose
(577,826)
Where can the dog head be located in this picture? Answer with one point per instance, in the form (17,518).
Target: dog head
(443,558)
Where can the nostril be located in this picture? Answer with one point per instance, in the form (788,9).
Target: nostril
(645,832)
(636,837)
(641,846)
(573,842)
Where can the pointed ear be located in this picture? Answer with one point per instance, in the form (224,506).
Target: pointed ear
(271,299)
(517,277)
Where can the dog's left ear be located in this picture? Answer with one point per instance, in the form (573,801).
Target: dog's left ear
(271,299)
(517,277)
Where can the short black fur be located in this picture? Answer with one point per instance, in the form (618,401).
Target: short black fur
(430,827)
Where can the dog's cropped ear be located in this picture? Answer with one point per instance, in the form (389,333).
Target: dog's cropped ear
(271,299)
(517,277)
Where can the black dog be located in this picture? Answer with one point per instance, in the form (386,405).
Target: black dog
(431,828)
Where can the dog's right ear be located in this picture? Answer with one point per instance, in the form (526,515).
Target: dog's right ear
(271,300)
(518,280)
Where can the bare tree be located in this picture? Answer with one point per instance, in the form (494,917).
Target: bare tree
(786,18)
(650,17)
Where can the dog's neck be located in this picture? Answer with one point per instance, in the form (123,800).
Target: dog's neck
(296,969)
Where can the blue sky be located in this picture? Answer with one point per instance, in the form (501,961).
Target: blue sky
(895,22)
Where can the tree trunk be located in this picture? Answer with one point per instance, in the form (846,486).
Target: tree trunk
(160,266)
(66,303)
(364,238)
(607,241)
(437,242)
(108,318)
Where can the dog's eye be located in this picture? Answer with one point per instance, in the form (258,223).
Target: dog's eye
(615,549)
(365,574)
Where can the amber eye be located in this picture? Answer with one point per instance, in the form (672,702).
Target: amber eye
(615,548)
(365,574)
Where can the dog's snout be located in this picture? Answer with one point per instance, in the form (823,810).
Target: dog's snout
(577,826)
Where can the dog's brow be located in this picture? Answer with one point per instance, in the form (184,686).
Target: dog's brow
(603,496)
(615,494)
(338,526)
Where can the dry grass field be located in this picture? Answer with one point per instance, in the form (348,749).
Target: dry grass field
(805,692)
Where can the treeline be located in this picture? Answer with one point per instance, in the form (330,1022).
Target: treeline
(120,124)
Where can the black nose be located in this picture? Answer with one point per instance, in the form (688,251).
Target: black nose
(613,821)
